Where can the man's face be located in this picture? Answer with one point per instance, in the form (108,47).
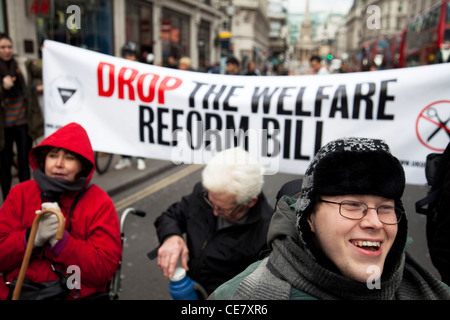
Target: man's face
(225,206)
(231,68)
(131,57)
(315,65)
(354,246)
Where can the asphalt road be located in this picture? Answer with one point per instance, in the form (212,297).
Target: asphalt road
(141,277)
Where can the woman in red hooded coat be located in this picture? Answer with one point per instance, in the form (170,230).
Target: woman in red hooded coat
(63,165)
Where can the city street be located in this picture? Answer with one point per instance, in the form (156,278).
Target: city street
(141,277)
(161,184)
(175,79)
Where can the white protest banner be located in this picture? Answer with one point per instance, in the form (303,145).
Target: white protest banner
(182,116)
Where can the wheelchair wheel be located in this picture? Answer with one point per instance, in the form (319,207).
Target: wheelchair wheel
(102,161)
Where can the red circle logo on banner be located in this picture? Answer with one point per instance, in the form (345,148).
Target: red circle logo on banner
(432,125)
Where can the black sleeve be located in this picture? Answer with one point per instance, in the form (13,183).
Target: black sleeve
(440,249)
(173,220)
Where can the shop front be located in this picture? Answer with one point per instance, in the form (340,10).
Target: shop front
(175,31)
(160,29)
(81,23)
(139,28)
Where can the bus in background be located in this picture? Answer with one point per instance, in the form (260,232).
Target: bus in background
(428,37)
(385,52)
(373,52)
(395,58)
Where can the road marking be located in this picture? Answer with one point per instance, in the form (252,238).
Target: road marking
(124,203)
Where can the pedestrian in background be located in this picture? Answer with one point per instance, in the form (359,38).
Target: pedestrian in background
(317,66)
(171,63)
(225,220)
(21,119)
(185,64)
(345,237)
(232,66)
(252,70)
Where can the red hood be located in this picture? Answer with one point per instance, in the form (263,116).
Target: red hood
(72,137)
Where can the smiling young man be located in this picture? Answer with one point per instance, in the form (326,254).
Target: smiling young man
(343,238)
(356,239)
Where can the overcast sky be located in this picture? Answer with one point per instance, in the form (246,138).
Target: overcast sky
(298,6)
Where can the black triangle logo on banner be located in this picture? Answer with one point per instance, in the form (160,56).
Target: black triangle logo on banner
(66,94)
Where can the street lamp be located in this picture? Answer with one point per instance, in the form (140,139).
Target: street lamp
(230,10)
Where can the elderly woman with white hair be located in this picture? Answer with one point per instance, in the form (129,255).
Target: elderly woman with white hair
(225,219)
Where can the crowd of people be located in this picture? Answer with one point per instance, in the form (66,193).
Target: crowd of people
(340,232)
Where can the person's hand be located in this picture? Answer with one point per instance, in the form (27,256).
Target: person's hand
(50,205)
(8,82)
(48,225)
(173,248)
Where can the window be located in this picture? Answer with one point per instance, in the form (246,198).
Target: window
(96,25)
(204,50)
(447,14)
(139,27)
(174,34)
(446,36)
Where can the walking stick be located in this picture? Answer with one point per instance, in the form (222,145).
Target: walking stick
(26,259)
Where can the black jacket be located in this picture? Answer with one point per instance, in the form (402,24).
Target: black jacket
(215,256)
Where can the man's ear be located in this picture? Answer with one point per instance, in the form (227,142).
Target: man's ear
(311,220)
(252,202)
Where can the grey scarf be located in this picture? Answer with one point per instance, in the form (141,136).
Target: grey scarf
(289,265)
(52,188)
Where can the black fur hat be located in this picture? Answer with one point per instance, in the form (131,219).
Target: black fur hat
(352,166)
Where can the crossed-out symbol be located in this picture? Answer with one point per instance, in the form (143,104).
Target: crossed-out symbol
(432,113)
(432,125)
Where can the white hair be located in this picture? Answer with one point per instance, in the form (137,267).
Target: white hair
(234,172)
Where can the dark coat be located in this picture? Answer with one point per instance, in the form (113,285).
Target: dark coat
(215,256)
(35,118)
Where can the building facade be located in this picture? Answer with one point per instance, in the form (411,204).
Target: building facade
(374,25)
(163,28)
(249,27)
(207,30)
(278,38)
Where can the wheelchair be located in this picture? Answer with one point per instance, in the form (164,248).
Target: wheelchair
(115,286)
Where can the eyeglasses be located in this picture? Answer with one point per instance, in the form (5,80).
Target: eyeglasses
(357,210)
(227,212)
